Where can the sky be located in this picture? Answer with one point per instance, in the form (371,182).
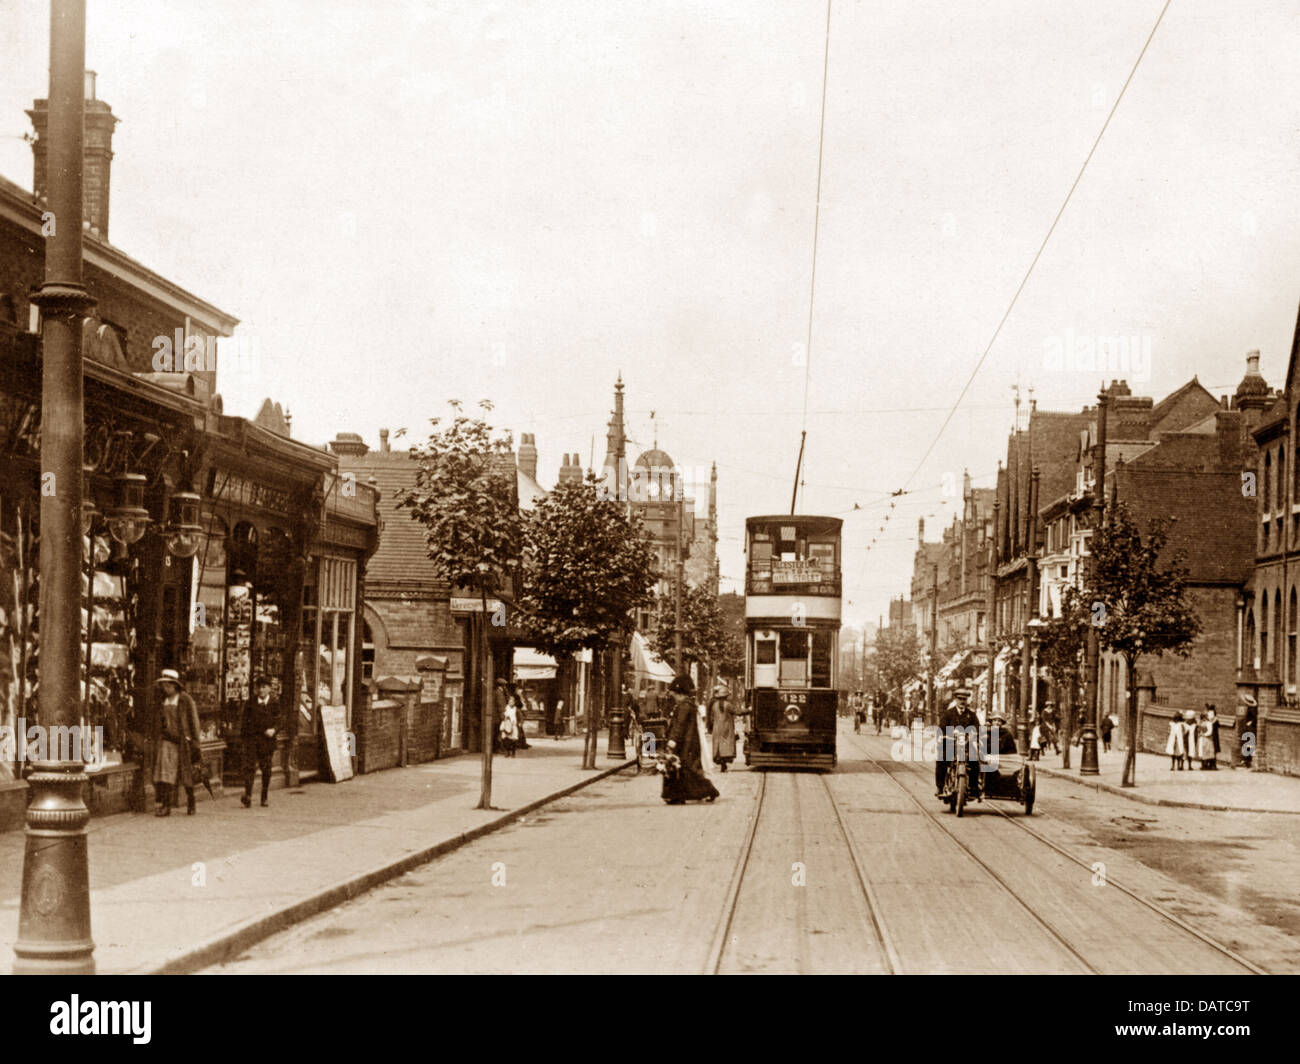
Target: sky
(411,202)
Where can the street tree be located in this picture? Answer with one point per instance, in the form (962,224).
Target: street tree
(587,567)
(897,659)
(1061,644)
(709,637)
(1138,604)
(465,497)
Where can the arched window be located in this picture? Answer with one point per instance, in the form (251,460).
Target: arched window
(1291,663)
(1275,652)
(1248,643)
(1268,476)
(1263,630)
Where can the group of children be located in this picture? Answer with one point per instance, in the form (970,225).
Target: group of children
(1194,737)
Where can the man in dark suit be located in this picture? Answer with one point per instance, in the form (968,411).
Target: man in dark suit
(257,731)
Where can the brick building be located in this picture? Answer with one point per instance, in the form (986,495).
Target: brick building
(244,564)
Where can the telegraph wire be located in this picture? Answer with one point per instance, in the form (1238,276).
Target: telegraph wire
(1038,254)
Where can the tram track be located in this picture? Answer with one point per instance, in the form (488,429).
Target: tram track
(723,948)
(1154,907)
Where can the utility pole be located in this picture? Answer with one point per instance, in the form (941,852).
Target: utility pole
(54,913)
(1088,763)
(677,591)
(933,717)
(1028,682)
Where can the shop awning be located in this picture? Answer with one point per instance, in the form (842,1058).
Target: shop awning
(954,663)
(532,664)
(647,663)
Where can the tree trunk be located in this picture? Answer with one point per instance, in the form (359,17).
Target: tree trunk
(1067,720)
(1130,758)
(593,686)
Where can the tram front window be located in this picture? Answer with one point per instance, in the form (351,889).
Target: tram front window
(794,659)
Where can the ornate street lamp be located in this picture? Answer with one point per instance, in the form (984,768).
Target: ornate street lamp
(184,532)
(129,519)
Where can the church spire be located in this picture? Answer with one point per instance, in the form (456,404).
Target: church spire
(616,445)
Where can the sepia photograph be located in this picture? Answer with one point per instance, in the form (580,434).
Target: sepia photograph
(698,487)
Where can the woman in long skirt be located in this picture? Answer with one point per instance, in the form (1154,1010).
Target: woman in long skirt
(722,726)
(684,779)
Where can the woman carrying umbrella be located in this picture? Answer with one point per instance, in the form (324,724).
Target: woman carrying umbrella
(178,740)
(683,769)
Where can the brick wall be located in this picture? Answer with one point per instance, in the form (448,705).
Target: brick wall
(378,728)
(1279,748)
(139,318)
(1208,674)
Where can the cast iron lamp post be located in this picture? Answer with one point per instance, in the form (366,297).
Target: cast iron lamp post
(54,913)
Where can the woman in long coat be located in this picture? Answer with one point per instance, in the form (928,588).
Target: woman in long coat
(722,726)
(1174,745)
(686,781)
(178,739)
(1205,743)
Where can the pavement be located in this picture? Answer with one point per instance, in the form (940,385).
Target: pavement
(182,893)
(1237,789)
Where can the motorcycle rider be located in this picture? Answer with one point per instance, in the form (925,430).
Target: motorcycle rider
(958,715)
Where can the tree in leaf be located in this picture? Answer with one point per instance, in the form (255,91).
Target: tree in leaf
(587,567)
(464,496)
(1061,644)
(1138,605)
(897,660)
(708,639)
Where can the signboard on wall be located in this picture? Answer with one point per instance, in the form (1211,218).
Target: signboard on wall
(334,724)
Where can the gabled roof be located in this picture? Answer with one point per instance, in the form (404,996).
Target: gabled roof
(1181,408)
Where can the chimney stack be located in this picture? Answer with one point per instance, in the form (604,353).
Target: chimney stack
(97,156)
(383,441)
(528,454)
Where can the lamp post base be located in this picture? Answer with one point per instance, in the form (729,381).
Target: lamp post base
(617,746)
(54,914)
(1088,763)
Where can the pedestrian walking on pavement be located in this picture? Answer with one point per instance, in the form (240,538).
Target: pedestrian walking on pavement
(1205,742)
(509,728)
(1175,745)
(722,725)
(178,743)
(1107,730)
(257,732)
(515,698)
(1247,734)
(1036,742)
(1212,719)
(559,718)
(1189,736)
(684,778)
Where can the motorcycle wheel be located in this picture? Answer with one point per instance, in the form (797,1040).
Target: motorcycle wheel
(959,802)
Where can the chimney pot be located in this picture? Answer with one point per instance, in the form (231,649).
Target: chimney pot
(383,441)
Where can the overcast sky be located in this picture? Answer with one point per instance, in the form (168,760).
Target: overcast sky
(406,202)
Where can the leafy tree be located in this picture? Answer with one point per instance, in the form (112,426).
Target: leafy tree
(464,495)
(588,567)
(732,662)
(1061,645)
(1137,605)
(709,637)
(898,659)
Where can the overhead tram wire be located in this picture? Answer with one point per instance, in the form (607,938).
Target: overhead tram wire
(812,285)
(1038,254)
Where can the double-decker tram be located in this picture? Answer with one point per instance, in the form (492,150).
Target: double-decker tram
(792,624)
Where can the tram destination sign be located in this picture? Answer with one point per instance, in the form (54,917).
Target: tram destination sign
(800,572)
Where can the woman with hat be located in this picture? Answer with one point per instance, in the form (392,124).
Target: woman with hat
(684,778)
(178,743)
(722,725)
